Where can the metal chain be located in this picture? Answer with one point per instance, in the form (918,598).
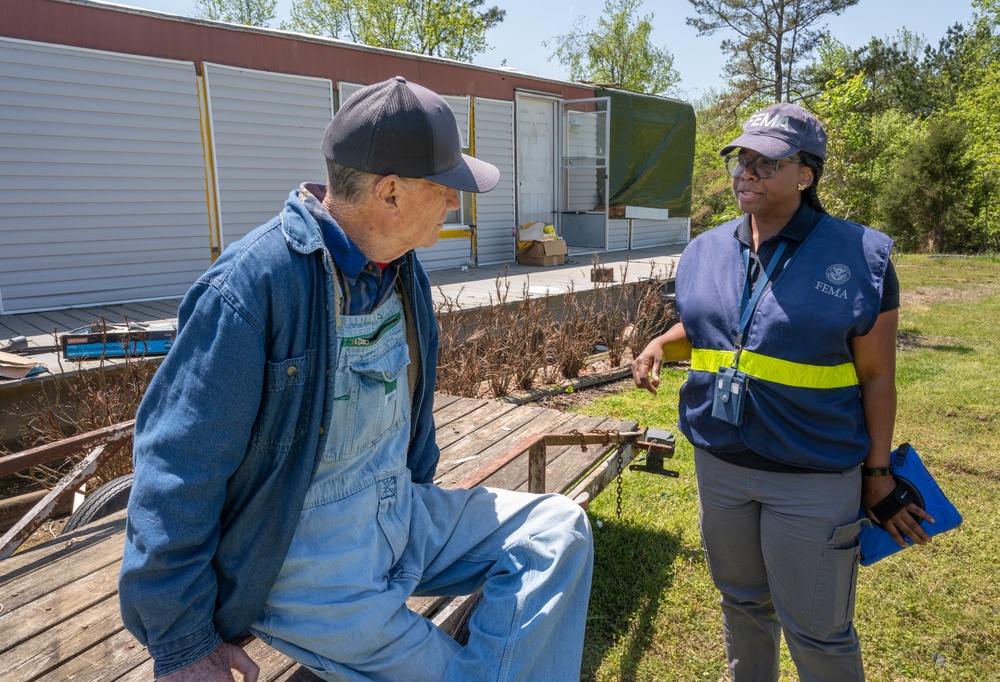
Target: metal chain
(621,475)
(609,436)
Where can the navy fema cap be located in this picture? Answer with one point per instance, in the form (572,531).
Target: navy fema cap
(781,130)
(400,128)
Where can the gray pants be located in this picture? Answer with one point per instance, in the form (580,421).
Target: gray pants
(782,549)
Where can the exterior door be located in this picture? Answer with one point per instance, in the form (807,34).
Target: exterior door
(536,168)
(583,158)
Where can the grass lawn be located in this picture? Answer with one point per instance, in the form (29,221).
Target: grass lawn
(923,614)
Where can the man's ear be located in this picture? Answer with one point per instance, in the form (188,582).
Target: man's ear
(387,191)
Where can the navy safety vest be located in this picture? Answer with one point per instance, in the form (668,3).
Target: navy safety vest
(803,406)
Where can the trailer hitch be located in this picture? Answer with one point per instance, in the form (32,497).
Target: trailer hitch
(659,445)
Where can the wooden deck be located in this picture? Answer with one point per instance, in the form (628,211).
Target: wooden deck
(59,614)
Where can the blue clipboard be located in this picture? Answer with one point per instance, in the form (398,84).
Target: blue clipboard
(910,472)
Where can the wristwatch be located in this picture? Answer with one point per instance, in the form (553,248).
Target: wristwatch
(876,472)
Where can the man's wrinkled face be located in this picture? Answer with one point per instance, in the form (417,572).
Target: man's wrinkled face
(424,205)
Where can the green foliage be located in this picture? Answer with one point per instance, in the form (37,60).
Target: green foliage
(976,105)
(862,150)
(617,51)
(928,205)
(893,71)
(247,12)
(933,189)
(929,613)
(772,39)
(455,29)
(712,191)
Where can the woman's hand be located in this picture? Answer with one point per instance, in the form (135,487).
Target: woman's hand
(906,522)
(671,346)
(646,367)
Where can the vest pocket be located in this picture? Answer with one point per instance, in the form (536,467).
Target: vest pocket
(287,398)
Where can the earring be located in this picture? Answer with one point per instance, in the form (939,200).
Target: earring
(802,187)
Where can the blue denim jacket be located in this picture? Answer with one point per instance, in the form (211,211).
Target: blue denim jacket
(228,433)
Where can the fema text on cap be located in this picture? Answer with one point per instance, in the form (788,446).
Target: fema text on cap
(762,120)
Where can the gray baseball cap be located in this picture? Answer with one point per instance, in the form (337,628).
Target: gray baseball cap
(780,130)
(400,128)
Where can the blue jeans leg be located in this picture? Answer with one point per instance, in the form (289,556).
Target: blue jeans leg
(533,556)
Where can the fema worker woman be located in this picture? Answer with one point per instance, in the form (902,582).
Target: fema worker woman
(789,318)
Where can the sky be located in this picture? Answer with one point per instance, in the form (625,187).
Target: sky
(517,42)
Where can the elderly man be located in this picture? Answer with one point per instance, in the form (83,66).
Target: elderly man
(285,451)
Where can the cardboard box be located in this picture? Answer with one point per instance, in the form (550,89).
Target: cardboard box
(545,253)
(17,367)
(115,341)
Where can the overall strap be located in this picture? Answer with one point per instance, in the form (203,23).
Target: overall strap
(412,339)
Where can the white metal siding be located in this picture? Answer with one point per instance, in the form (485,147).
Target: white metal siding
(102,180)
(617,235)
(452,253)
(460,105)
(266,129)
(494,131)
(658,232)
(447,253)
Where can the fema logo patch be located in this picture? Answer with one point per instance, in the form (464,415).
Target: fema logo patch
(838,274)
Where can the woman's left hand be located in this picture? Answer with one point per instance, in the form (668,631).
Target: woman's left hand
(906,522)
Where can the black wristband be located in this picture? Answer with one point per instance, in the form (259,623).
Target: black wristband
(875,472)
(891,504)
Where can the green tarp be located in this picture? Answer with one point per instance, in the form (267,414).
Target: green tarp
(652,151)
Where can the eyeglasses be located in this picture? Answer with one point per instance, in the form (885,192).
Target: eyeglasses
(763,167)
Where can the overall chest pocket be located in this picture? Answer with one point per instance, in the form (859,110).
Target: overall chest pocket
(371,399)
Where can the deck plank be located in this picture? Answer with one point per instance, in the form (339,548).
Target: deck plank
(106,661)
(29,324)
(540,421)
(102,538)
(471,422)
(492,438)
(32,586)
(141,673)
(515,476)
(62,604)
(37,656)
(455,410)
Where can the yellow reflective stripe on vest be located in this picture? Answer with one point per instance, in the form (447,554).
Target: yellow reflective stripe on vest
(783,372)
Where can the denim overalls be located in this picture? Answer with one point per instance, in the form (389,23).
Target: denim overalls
(368,539)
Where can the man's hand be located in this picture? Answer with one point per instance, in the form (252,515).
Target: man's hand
(217,667)
(906,522)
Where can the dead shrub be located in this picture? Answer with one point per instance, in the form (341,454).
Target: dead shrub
(490,351)
(82,401)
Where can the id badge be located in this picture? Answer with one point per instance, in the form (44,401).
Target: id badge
(730,395)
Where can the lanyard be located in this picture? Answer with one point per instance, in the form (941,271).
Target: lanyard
(749,304)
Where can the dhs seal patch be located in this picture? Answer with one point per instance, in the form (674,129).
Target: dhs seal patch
(838,274)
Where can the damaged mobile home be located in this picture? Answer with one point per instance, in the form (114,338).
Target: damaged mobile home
(137,145)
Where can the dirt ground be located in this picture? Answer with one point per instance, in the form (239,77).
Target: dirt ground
(582,396)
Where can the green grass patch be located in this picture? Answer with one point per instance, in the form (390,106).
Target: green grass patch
(924,614)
